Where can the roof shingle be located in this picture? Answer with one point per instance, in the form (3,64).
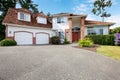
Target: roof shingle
(12,18)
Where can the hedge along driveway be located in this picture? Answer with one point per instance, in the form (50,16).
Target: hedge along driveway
(102,39)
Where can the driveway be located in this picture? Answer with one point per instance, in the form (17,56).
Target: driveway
(55,63)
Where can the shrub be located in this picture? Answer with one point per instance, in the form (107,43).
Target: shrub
(66,41)
(85,43)
(115,30)
(8,42)
(55,40)
(102,39)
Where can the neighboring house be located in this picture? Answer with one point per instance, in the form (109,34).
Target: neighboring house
(28,28)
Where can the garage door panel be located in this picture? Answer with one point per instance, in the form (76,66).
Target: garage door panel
(23,38)
(42,38)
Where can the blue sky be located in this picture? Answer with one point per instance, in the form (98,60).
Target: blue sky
(79,7)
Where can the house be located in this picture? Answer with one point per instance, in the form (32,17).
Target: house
(27,28)
(75,27)
(36,28)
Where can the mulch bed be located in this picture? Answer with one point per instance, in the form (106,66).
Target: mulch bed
(93,48)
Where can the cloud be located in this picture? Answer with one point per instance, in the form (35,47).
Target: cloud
(81,9)
(116,19)
(91,17)
(114,2)
(90,1)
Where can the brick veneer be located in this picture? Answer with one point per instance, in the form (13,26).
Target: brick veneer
(82,30)
(70,28)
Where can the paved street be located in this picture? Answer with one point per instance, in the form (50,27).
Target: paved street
(55,62)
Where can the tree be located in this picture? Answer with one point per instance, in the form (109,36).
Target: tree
(115,30)
(6,4)
(100,7)
(48,14)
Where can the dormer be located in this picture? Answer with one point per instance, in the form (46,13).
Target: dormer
(24,16)
(41,20)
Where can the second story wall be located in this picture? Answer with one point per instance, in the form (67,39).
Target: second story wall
(60,24)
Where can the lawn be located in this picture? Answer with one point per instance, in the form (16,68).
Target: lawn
(110,51)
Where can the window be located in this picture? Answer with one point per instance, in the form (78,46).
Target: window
(41,20)
(101,31)
(60,20)
(24,16)
(91,31)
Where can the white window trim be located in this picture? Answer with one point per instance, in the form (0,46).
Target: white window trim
(41,20)
(27,17)
(61,20)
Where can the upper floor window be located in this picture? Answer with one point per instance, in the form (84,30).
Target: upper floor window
(24,16)
(60,20)
(41,20)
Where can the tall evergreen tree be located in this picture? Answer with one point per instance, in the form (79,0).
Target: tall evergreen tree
(100,8)
(48,14)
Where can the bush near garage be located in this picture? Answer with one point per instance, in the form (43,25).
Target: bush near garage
(85,43)
(55,40)
(8,42)
(66,41)
(102,39)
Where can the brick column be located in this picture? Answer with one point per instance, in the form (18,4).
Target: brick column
(70,28)
(82,29)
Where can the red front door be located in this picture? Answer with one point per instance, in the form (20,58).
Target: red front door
(75,36)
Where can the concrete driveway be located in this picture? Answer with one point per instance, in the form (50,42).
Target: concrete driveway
(55,63)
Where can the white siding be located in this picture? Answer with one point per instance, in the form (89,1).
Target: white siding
(41,20)
(12,29)
(26,16)
(60,26)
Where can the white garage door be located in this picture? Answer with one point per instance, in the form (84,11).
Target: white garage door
(23,38)
(42,38)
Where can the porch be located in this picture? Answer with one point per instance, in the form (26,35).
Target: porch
(76,28)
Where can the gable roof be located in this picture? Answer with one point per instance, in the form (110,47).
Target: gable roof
(12,18)
(69,14)
(94,23)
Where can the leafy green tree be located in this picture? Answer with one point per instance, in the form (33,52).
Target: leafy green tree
(115,30)
(48,14)
(6,4)
(100,8)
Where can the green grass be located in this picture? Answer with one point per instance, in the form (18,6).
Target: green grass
(110,51)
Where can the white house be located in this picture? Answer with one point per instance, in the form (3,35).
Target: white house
(28,28)
(75,27)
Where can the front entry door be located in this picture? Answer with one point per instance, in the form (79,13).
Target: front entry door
(75,36)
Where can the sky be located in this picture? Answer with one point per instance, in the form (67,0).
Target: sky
(79,7)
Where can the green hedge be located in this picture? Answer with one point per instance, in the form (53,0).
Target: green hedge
(8,42)
(102,39)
